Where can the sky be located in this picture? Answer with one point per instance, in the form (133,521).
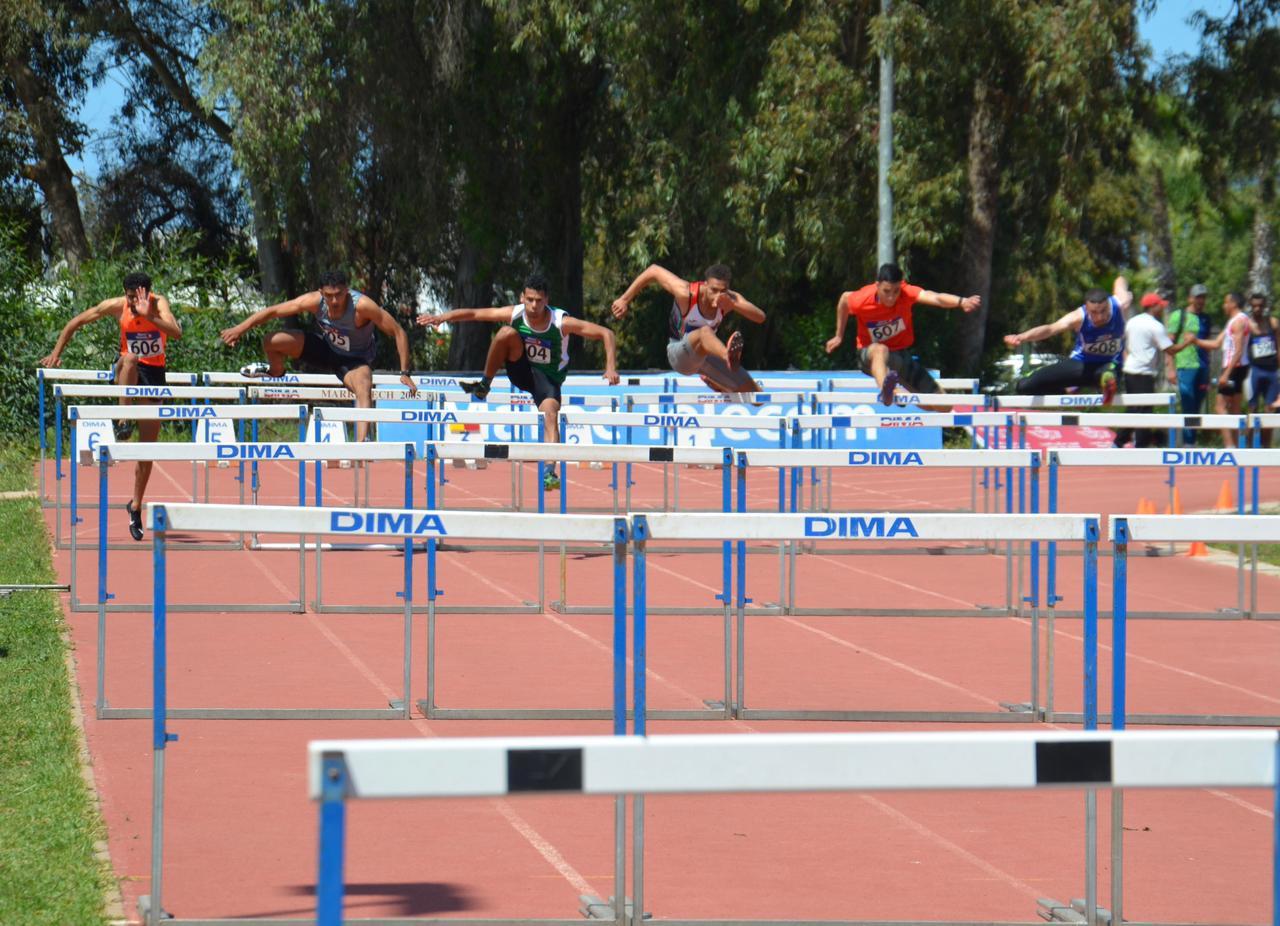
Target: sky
(1166,30)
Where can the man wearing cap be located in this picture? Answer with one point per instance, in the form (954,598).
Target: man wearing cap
(1189,370)
(1145,341)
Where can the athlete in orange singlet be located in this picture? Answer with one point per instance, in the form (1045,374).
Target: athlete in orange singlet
(146,324)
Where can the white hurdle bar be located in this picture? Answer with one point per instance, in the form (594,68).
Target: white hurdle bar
(885,529)
(342,770)
(900,399)
(1237,460)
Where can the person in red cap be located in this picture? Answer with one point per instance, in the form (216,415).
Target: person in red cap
(1146,346)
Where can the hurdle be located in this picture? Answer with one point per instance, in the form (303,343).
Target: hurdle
(299,452)
(796,460)
(884,528)
(343,770)
(62,392)
(56,375)
(1084,400)
(1239,460)
(192,413)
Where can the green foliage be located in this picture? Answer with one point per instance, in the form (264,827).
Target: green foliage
(48,825)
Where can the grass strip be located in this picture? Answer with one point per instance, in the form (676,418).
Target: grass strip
(49,824)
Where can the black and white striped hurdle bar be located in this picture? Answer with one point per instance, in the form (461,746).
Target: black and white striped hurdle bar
(783,762)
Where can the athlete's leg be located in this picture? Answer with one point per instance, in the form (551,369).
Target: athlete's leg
(1055,379)
(1189,396)
(279,346)
(717,374)
(359,381)
(506,345)
(550,409)
(705,342)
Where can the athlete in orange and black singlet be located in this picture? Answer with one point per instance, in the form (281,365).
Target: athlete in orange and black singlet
(146,324)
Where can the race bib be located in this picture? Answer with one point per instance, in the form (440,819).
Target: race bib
(537,352)
(1108,347)
(336,338)
(144,343)
(1262,347)
(883,331)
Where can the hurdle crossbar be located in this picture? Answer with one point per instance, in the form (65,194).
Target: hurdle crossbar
(1124,399)
(291,393)
(1129,420)
(900,399)
(149,392)
(341,770)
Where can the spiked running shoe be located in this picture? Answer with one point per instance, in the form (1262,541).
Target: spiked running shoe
(887,388)
(478,389)
(256,370)
(550,481)
(123,429)
(135,520)
(734,347)
(1109,385)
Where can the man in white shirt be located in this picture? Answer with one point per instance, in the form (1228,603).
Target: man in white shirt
(1146,345)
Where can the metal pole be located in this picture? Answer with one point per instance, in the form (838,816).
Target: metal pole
(884,228)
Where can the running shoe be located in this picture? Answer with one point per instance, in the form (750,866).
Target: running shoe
(256,370)
(888,387)
(1109,385)
(550,481)
(734,347)
(123,429)
(478,389)
(135,520)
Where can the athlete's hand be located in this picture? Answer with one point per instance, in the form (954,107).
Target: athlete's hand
(834,343)
(971,303)
(408,381)
(726,302)
(142,306)
(619,307)
(1013,340)
(53,360)
(611,377)
(431,321)
(230,335)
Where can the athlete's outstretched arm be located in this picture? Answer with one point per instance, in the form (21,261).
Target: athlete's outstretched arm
(384,322)
(594,332)
(104,309)
(501,314)
(1069,322)
(307,302)
(950,301)
(1123,294)
(677,287)
(842,319)
(744,307)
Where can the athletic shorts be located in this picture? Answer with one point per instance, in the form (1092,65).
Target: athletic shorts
(1235,382)
(684,358)
(317,352)
(1057,378)
(910,372)
(148,374)
(1266,387)
(525,376)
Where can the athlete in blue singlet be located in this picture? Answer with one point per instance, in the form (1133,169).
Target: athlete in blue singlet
(343,345)
(1099,347)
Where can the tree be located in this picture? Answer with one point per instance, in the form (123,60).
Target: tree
(43,78)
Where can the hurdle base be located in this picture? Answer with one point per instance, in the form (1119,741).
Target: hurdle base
(289,607)
(1174,720)
(1056,912)
(1221,614)
(976,611)
(144,910)
(431,712)
(593,908)
(254,713)
(768,609)
(756,713)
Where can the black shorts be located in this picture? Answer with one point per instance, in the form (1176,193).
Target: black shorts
(148,374)
(317,353)
(530,379)
(1235,382)
(1057,378)
(911,373)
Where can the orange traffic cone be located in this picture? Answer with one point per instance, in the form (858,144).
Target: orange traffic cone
(1198,549)
(1226,500)
(1177,501)
(1146,506)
